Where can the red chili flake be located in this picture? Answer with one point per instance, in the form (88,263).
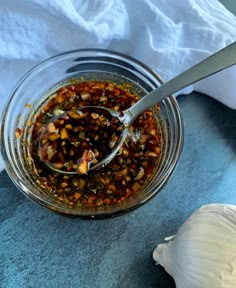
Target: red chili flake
(28,105)
(18,132)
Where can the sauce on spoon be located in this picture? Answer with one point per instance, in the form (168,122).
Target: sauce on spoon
(76,140)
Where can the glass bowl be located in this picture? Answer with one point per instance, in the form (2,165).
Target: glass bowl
(91,64)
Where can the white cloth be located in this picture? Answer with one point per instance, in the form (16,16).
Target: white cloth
(169,36)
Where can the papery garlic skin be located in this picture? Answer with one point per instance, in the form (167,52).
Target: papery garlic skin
(203,252)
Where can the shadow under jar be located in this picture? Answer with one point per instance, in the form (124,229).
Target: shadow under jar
(84,66)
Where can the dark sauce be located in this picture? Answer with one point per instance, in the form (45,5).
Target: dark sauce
(62,132)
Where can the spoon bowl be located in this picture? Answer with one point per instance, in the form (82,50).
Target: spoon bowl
(89,158)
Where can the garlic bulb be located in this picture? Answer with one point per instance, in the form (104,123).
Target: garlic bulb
(203,252)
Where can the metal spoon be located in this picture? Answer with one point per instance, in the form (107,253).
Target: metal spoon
(220,60)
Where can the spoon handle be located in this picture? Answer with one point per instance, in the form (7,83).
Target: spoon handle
(218,61)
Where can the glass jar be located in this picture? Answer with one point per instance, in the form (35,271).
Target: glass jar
(91,64)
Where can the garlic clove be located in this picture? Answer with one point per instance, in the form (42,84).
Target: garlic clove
(203,252)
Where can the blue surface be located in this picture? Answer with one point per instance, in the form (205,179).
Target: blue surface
(42,249)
